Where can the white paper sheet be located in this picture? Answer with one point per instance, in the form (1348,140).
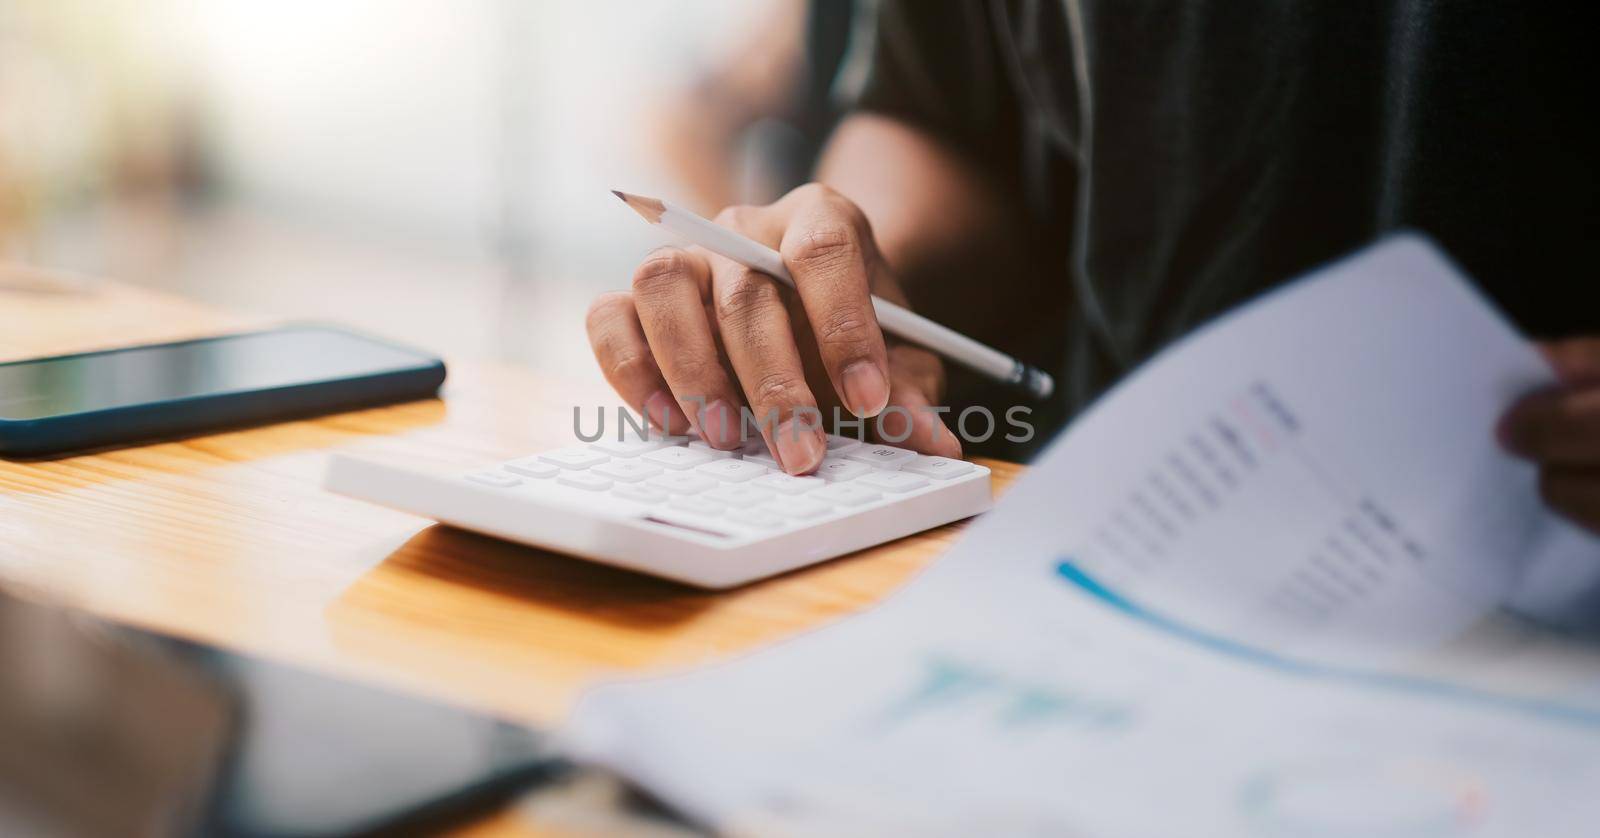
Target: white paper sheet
(1257,590)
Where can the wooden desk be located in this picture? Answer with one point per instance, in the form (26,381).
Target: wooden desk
(229,539)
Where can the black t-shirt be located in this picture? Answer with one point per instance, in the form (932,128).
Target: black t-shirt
(1197,153)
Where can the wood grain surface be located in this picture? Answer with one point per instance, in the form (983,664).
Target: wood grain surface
(229,539)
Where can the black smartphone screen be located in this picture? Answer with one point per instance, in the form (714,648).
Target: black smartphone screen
(79,402)
(69,384)
(111,730)
(313,755)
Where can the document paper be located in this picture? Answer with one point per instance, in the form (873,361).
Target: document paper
(1276,583)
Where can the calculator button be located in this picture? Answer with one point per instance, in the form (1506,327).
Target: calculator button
(740,496)
(762,457)
(696,505)
(755,519)
(802,508)
(838,444)
(788,484)
(531,467)
(732,471)
(682,483)
(574,457)
(498,479)
(882,456)
(627,471)
(709,524)
(846,495)
(587,480)
(893,482)
(834,470)
(631,445)
(941,468)
(638,494)
(678,458)
(705,448)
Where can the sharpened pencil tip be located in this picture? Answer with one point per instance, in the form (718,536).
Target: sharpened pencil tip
(651,209)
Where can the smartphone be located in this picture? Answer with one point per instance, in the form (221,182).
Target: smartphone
(111,730)
(88,400)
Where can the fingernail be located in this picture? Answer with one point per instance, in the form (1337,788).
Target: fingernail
(719,425)
(800,446)
(663,412)
(865,388)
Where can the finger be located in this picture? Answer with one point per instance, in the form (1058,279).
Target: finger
(756,333)
(828,248)
(1575,493)
(624,354)
(1575,361)
(909,421)
(1560,427)
(668,293)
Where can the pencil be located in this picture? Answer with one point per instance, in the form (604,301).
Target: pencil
(901,322)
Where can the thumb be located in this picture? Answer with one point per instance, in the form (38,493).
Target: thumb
(916,383)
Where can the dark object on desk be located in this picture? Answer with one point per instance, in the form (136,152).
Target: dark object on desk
(109,730)
(94,399)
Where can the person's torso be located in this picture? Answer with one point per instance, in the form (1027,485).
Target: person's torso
(1222,147)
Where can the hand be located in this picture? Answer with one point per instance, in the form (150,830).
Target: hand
(1559,429)
(699,336)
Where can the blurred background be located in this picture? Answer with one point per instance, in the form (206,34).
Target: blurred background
(435,171)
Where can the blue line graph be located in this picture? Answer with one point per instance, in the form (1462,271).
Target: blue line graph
(1008,701)
(1547,710)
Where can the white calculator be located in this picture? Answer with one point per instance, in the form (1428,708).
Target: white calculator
(678,508)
